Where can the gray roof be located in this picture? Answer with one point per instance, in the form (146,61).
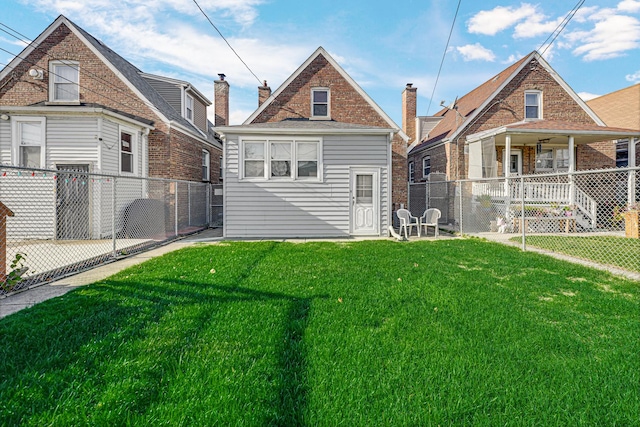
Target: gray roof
(133,75)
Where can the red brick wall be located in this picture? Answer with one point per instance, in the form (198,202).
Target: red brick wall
(98,84)
(508,107)
(346,106)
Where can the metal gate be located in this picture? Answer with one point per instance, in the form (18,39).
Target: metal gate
(72,203)
(216,219)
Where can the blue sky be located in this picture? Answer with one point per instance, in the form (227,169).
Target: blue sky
(383,45)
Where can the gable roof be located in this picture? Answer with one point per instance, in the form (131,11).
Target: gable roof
(129,74)
(619,108)
(322,52)
(471,105)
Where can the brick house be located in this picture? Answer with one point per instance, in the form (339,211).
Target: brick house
(92,108)
(526,110)
(318,156)
(620,109)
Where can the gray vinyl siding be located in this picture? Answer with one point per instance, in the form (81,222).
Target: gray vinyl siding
(110,148)
(72,140)
(199,115)
(170,92)
(304,209)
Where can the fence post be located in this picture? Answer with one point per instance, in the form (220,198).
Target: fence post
(175,197)
(113,216)
(4,213)
(522,220)
(460,190)
(189,201)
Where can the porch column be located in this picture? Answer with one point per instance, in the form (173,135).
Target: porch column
(631,189)
(572,169)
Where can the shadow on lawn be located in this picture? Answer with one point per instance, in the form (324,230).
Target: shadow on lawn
(45,361)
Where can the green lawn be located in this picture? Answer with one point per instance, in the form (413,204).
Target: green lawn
(448,332)
(609,250)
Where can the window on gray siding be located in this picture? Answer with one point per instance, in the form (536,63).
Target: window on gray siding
(254,159)
(126,152)
(189,108)
(307,158)
(30,144)
(281,159)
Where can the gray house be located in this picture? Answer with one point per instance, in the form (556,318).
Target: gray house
(314,160)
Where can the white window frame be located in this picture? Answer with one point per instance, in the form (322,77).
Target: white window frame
(221,176)
(16,133)
(538,95)
(555,167)
(206,163)
(412,172)
(53,76)
(267,158)
(425,171)
(134,150)
(313,103)
(189,99)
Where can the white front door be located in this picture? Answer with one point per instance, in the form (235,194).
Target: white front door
(514,162)
(365,204)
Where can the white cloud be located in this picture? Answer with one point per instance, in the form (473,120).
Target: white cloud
(476,52)
(535,26)
(631,6)
(633,78)
(586,96)
(606,40)
(491,22)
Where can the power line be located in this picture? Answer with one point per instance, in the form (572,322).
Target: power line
(227,42)
(561,26)
(443,56)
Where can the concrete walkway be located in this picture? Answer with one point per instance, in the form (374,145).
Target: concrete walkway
(39,293)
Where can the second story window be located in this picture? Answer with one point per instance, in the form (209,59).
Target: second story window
(320,103)
(188,109)
(532,105)
(64,81)
(412,172)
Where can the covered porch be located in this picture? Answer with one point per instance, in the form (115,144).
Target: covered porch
(547,150)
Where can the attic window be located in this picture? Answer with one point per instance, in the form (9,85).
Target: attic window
(188,108)
(532,105)
(64,81)
(320,103)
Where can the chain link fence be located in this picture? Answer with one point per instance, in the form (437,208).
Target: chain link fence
(58,222)
(592,215)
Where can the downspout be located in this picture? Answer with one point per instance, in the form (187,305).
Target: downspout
(390,181)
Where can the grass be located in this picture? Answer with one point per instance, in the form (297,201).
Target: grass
(609,250)
(452,332)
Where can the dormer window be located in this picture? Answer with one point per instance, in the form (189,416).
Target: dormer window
(320,103)
(188,108)
(532,105)
(64,81)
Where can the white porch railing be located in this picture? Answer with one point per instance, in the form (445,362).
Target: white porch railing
(540,193)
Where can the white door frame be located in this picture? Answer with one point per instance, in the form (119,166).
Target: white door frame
(506,161)
(374,230)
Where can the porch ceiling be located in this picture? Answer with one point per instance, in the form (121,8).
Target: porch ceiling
(553,132)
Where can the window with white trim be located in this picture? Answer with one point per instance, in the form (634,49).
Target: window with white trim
(281,159)
(552,159)
(412,172)
(29,141)
(206,159)
(127,151)
(532,105)
(426,166)
(64,81)
(320,104)
(188,108)
(221,171)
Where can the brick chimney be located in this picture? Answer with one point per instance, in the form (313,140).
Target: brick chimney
(409,109)
(264,92)
(221,101)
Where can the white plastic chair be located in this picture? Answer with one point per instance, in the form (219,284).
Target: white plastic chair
(407,221)
(429,218)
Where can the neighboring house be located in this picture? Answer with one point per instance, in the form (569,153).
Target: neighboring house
(525,120)
(318,158)
(620,109)
(67,101)
(527,111)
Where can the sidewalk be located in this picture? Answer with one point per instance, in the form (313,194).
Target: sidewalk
(30,297)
